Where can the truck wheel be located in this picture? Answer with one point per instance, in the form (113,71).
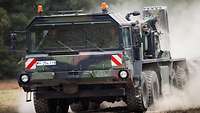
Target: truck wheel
(134,100)
(180,77)
(80,106)
(150,88)
(139,99)
(43,105)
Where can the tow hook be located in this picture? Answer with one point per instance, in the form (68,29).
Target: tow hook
(28,96)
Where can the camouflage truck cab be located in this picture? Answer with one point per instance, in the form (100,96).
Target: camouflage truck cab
(82,60)
(78,57)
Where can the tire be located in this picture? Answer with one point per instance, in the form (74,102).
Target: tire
(180,77)
(156,86)
(43,105)
(134,100)
(139,99)
(150,88)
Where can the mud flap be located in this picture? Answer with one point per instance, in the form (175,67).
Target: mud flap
(137,70)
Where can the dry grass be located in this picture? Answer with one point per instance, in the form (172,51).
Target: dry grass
(8,84)
(8,101)
(9,92)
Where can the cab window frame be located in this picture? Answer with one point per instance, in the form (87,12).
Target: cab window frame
(31,47)
(126,38)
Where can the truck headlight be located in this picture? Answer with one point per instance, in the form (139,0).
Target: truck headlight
(123,74)
(24,78)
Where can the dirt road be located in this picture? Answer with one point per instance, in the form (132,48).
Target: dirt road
(178,111)
(12,100)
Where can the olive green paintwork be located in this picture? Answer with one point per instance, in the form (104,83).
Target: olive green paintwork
(83,65)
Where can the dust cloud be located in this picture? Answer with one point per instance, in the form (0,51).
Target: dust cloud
(184,25)
(185,38)
(183,19)
(23,106)
(183,99)
(185,41)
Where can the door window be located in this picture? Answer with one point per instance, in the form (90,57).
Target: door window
(126,37)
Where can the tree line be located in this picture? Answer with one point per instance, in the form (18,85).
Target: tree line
(15,15)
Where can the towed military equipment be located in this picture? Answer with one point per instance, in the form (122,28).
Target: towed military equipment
(84,59)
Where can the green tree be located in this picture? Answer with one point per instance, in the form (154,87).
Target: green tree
(7,61)
(16,14)
(70,4)
(4,25)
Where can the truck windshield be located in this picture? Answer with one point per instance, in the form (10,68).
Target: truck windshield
(78,37)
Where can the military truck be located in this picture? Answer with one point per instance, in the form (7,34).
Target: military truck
(80,60)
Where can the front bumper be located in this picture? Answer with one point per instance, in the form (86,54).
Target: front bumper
(50,79)
(106,93)
(97,88)
(34,84)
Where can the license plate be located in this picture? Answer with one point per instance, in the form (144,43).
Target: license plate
(46,63)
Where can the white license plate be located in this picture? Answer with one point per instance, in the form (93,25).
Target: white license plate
(46,63)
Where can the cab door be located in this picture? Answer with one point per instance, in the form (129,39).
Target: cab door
(127,46)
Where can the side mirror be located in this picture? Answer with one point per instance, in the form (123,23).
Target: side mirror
(13,40)
(136,13)
(17,41)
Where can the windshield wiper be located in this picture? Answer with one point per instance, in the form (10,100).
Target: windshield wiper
(61,43)
(94,45)
(41,42)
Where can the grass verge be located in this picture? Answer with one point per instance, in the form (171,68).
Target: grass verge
(9,93)
(8,100)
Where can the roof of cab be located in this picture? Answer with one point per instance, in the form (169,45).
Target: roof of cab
(73,18)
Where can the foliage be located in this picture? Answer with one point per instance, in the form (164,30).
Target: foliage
(4,24)
(15,15)
(8,64)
